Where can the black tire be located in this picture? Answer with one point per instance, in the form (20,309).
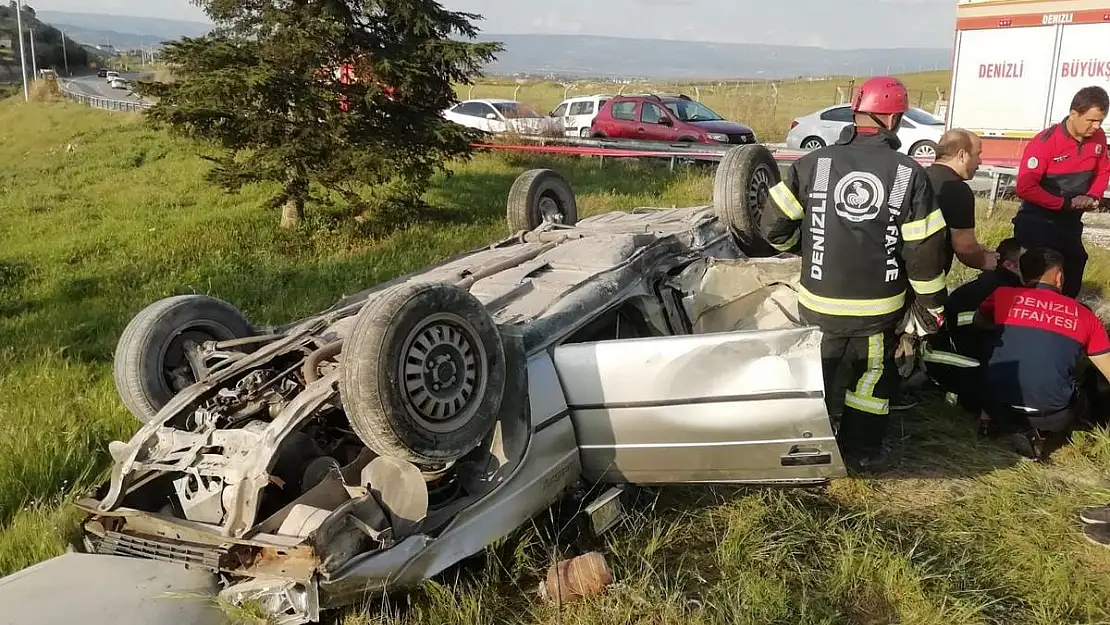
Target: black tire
(928,147)
(538,192)
(584,133)
(741,193)
(813,142)
(402,328)
(152,345)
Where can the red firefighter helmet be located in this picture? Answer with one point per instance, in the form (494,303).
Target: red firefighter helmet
(881,95)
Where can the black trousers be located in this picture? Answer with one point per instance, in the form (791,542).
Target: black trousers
(873,377)
(1031,230)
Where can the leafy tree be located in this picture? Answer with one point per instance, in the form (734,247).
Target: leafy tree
(265,85)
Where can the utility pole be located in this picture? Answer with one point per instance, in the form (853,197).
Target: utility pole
(65,55)
(34,61)
(22,56)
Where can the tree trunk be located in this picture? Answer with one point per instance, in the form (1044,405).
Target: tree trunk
(292,213)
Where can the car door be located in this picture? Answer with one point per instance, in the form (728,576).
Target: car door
(833,121)
(655,124)
(625,120)
(580,116)
(561,118)
(496,123)
(739,407)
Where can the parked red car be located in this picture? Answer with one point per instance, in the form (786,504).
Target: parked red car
(666,118)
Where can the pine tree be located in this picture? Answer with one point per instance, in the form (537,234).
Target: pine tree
(323,96)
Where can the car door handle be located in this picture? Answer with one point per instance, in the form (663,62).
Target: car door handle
(805,456)
(641,129)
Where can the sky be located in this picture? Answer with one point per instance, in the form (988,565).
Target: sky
(825,23)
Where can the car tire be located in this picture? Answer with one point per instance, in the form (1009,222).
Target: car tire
(813,143)
(152,345)
(741,192)
(923,149)
(538,195)
(388,376)
(584,133)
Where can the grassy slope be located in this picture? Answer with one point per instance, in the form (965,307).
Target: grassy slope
(752,103)
(102,216)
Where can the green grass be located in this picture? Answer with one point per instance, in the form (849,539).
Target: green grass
(102,216)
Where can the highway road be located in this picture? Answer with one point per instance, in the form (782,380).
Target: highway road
(96,87)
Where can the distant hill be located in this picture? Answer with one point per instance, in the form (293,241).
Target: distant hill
(121,31)
(579,55)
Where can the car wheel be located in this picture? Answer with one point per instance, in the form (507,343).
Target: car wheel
(584,133)
(152,361)
(423,373)
(812,143)
(741,191)
(924,149)
(538,196)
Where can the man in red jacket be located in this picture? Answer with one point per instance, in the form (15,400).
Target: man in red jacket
(1064,172)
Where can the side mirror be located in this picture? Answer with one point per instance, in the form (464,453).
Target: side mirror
(491,115)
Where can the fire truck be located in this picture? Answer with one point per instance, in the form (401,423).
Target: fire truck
(1017,64)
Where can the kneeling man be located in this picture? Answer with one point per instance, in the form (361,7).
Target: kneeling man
(1040,336)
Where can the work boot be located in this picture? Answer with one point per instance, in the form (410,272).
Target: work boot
(1097,533)
(1095,514)
(1028,444)
(869,461)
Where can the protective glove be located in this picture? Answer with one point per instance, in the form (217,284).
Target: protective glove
(906,355)
(921,321)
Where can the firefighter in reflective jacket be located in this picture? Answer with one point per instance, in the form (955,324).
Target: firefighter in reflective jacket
(868,228)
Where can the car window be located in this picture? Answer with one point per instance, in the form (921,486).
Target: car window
(691,111)
(651,114)
(625,110)
(601,103)
(923,117)
(838,114)
(908,124)
(582,108)
(516,110)
(484,109)
(473,109)
(560,111)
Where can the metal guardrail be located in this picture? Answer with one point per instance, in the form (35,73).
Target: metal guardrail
(98,102)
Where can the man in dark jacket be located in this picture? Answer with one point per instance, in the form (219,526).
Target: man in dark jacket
(865,221)
(953,356)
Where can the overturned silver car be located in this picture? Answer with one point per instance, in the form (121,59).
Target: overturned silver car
(377,443)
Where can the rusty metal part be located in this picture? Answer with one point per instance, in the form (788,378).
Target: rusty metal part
(310,370)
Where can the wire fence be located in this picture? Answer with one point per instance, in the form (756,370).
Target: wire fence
(768,106)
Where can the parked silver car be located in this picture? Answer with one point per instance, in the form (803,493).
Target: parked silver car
(920,130)
(377,443)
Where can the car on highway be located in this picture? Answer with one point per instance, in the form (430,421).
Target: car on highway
(120,83)
(500,116)
(655,117)
(372,445)
(110,76)
(576,115)
(919,133)
(102,72)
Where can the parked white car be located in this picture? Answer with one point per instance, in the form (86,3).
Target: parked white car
(498,116)
(575,115)
(920,130)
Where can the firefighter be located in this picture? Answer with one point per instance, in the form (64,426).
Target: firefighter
(1064,172)
(954,354)
(866,223)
